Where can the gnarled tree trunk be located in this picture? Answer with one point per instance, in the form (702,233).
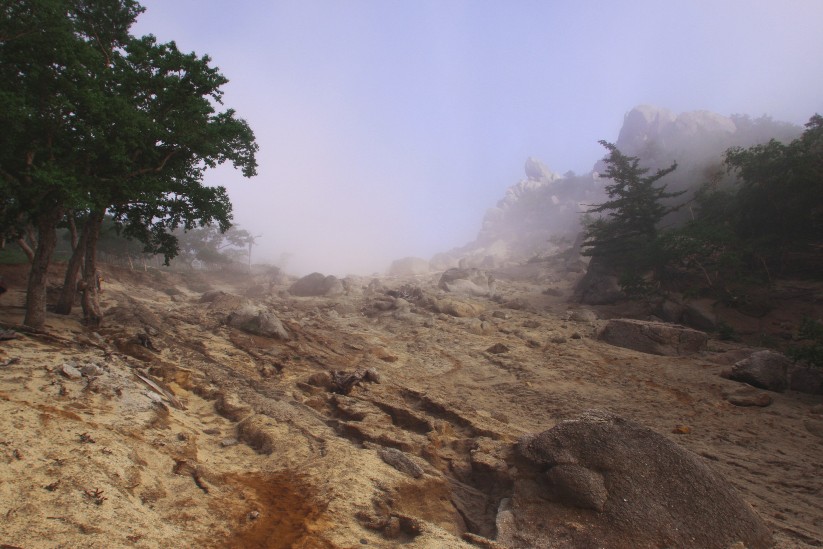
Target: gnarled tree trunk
(38,275)
(90,283)
(66,300)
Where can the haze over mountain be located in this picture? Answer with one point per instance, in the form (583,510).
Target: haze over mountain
(387,129)
(544,209)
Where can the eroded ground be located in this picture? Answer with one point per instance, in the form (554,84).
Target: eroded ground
(218,438)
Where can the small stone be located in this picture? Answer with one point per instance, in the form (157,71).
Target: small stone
(749,398)
(226,442)
(91,370)
(576,335)
(497,349)
(320,379)
(70,371)
(254,515)
(392,529)
(400,461)
(682,430)
(372,375)
(500,314)
(558,340)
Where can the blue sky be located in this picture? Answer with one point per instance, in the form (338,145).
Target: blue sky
(388,127)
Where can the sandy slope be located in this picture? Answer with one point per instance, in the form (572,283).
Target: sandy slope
(248,453)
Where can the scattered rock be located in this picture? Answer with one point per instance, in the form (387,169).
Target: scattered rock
(317,284)
(764,370)
(458,308)
(211,296)
(255,321)
(747,396)
(581,315)
(656,338)
(372,375)
(620,475)
(226,442)
(468,282)
(91,370)
(70,371)
(400,461)
(343,382)
(497,349)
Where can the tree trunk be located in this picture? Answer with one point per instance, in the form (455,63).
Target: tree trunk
(66,300)
(26,249)
(38,275)
(91,278)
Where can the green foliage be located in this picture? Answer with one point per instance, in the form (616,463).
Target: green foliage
(213,247)
(780,197)
(812,352)
(626,238)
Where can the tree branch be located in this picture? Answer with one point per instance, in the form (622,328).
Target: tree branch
(156,169)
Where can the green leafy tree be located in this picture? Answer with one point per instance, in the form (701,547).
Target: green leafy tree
(105,122)
(53,56)
(624,236)
(780,195)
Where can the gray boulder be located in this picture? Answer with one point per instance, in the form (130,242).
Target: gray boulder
(467,281)
(537,171)
(255,321)
(317,284)
(763,369)
(604,481)
(657,338)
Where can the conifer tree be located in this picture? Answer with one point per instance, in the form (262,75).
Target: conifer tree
(623,240)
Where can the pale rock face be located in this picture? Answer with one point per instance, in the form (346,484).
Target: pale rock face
(536,170)
(642,124)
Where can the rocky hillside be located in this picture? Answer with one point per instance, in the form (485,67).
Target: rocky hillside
(472,410)
(542,212)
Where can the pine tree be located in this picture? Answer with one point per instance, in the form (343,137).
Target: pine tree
(624,239)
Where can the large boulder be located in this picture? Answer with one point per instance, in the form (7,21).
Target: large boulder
(657,338)
(468,282)
(763,369)
(256,321)
(604,481)
(317,284)
(409,266)
(537,171)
